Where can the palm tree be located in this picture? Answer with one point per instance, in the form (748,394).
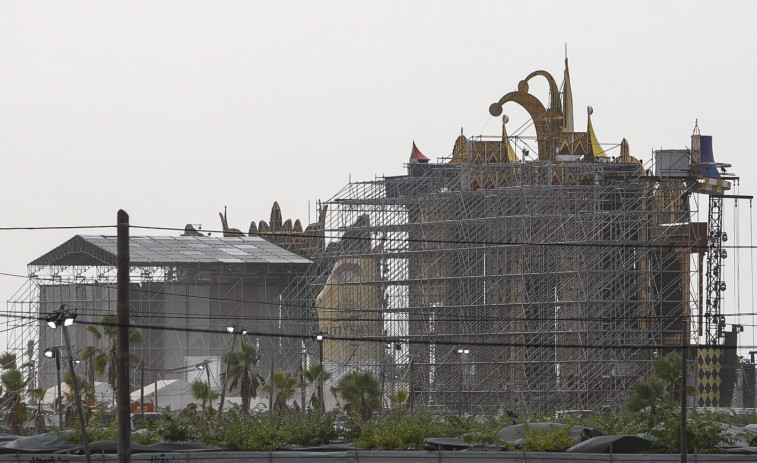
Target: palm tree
(13,383)
(86,392)
(668,368)
(648,393)
(30,365)
(190,411)
(39,417)
(284,387)
(107,360)
(8,361)
(361,392)
(311,376)
(243,372)
(400,399)
(205,394)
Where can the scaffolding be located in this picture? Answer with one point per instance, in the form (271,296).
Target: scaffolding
(183,292)
(553,288)
(481,282)
(484,282)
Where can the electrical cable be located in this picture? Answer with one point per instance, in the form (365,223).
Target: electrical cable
(406,339)
(608,244)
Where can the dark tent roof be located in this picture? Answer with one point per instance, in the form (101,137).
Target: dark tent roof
(445,443)
(513,435)
(97,250)
(41,443)
(613,444)
(111,446)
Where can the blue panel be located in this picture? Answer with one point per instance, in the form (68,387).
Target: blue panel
(709,169)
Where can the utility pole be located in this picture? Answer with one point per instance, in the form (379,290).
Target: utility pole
(684,444)
(122,345)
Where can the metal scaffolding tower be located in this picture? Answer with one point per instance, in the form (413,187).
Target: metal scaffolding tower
(529,286)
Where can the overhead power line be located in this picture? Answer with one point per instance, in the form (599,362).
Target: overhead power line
(372,238)
(408,339)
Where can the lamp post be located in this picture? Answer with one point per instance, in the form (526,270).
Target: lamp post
(460,354)
(303,367)
(235,329)
(321,402)
(411,395)
(54,352)
(387,346)
(204,367)
(64,317)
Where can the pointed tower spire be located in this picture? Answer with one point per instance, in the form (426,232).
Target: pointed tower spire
(416,156)
(625,151)
(696,146)
(596,149)
(567,101)
(511,157)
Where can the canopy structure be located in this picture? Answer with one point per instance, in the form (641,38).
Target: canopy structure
(183,293)
(103,393)
(174,393)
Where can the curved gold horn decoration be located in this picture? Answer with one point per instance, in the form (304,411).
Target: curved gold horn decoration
(554,90)
(537,112)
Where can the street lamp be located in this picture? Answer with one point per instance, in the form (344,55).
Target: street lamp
(204,367)
(461,353)
(321,403)
(235,329)
(53,352)
(64,317)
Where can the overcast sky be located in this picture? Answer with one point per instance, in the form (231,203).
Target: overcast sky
(173,110)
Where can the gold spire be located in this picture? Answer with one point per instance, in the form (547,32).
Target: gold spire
(567,101)
(596,149)
(511,157)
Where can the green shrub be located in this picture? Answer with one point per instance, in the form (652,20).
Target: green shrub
(621,422)
(702,432)
(396,431)
(483,429)
(315,429)
(554,440)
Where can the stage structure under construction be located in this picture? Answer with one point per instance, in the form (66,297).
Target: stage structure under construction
(183,293)
(488,281)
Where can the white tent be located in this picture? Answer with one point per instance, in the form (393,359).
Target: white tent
(175,393)
(103,393)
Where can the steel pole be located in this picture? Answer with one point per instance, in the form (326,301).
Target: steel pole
(60,396)
(412,388)
(321,402)
(302,380)
(77,396)
(270,395)
(142,387)
(226,376)
(460,411)
(684,446)
(122,338)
